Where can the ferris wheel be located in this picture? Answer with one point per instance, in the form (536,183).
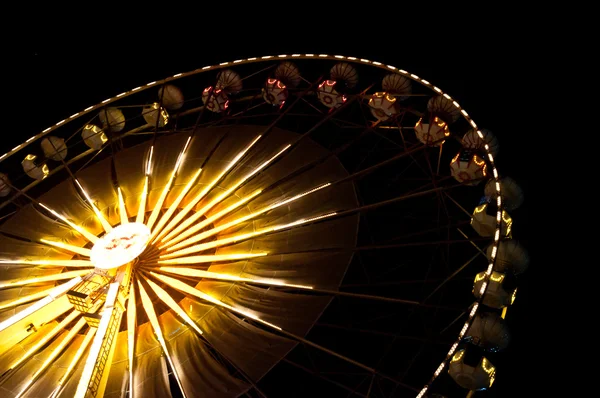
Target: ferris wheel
(268,226)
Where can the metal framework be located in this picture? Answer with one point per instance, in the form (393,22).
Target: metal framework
(413,232)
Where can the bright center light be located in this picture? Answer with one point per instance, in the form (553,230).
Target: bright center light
(120,246)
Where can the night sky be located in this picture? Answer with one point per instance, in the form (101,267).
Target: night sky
(48,81)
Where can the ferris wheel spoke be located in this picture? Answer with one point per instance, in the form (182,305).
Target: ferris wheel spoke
(451,276)
(181,215)
(197,273)
(89,336)
(67,340)
(122,208)
(159,203)
(97,365)
(183,287)
(131,334)
(150,312)
(201,212)
(323,377)
(70,248)
(42,279)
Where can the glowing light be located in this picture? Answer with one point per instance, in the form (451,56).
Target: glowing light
(120,246)
(168,300)
(45,339)
(205,191)
(149,308)
(167,188)
(208,258)
(59,263)
(230,224)
(197,273)
(183,226)
(142,207)
(122,208)
(78,355)
(169,213)
(74,249)
(131,329)
(53,294)
(53,355)
(42,279)
(89,236)
(199,226)
(181,286)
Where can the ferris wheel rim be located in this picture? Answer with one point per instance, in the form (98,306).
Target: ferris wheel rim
(389,68)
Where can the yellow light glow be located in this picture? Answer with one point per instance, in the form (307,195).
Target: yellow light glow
(169,213)
(105,224)
(168,300)
(149,308)
(241,237)
(90,363)
(122,208)
(181,286)
(58,263)
(167,187)
(203,224)
(78,355)
(74,249)
(131,329)
(89,236)
(53,294)
(458,356)
(219,198)
(183,213)
(42,279)
(45,339)
(53,355)
(211,258)
(198,273)
(216,230)
(149,164)
(142,207)
(120,246)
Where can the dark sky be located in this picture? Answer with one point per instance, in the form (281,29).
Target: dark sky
(49,80)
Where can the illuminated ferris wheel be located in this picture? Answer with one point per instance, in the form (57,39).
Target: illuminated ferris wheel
(262,227)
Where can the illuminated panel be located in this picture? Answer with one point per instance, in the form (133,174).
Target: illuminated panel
(122,208)
(203,224)
(73,249)
(88,235)
(149,308)
(53,294)
(42,279)
(181,286)
(60,263)
(190,221)
(211,258)
(25,299)
(98,359)
(45,339)
(131,329)
(169,213)
(107,227)
(216,230)
(237,238)
(167,188)
(198,273)
(206,190)
(53,355)
(78,355)
(120,246)
(168,300)
(142,208)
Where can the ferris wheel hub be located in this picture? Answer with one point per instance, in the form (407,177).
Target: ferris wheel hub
(120,246)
